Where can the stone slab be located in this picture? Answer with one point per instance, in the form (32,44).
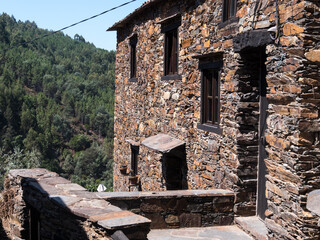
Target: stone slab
(123,222)
(71,187)
(92,212)
(45,188)
(35,173)
(65,201)
(54,180)
(111,215)
(208,233)
(254,226)
(162,143)
(92,203)
(166,194)
(83,194)
(313,202)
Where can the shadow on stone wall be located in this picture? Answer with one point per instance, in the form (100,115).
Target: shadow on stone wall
(3,234)
(47,216)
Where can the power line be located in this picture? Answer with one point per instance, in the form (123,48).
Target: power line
(72,25)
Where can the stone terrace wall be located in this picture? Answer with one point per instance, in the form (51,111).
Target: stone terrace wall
(178,209)
(65,210)
(151,105)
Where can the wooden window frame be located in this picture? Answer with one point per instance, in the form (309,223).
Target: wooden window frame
(229,10)
(210,123)
(170,27)
(171,52)
(211,93)
(133,58)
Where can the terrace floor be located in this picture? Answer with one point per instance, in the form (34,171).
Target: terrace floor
(204,233)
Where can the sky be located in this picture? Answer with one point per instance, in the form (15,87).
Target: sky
(54,15)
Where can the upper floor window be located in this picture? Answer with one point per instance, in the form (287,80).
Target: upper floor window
(170,27)
(211,97)
(133,57)
(171,52)
(229,9)
(210,66)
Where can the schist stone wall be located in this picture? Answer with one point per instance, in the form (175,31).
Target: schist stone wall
(178,209)
(38,204)
(288,57)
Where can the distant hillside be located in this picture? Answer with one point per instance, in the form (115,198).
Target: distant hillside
(56,104)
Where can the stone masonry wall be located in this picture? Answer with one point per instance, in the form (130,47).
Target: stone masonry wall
(178,209)
(229,160)
(293,163)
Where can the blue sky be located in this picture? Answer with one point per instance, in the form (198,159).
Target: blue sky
(54,15)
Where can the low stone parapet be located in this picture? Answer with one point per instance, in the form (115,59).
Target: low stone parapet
(38,204)
(178,208)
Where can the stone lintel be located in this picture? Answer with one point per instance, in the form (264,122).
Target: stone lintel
(164,20)
(162,143)
(208,55)
(133,143)
(251,39)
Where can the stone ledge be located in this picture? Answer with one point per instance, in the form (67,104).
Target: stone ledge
(166,194)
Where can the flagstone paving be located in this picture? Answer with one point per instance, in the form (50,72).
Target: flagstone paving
(208,233)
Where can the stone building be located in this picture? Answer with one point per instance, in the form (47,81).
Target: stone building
(222,94)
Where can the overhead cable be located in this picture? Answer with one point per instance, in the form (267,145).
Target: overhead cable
(72,25)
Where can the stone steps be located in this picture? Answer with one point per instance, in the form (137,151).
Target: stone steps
(253,226)
(205,233)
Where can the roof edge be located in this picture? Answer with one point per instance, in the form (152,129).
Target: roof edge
(143,7)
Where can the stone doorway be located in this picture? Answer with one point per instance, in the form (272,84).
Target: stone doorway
(252,121)
(174,168)
(167,156)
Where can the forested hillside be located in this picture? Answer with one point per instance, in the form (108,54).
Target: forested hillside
(56,104)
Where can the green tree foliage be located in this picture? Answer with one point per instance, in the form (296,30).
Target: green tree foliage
(56,103)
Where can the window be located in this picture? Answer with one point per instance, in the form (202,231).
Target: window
(170,28)
(229,9)
(134,159)
(133,57)
(211,96)
(171,52)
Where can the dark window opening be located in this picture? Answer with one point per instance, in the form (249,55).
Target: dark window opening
(133,56)
(171,52)
(211,97)
(229,9)
(134,159)
(34,224)
(175,169)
